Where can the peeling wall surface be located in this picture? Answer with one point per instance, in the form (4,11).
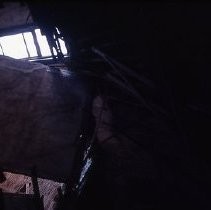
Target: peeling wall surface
(14,14)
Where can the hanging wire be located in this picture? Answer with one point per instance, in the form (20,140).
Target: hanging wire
(124,68)
(127,85)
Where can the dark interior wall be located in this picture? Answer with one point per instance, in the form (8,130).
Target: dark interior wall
(169,39)
(168,42)
(14,14)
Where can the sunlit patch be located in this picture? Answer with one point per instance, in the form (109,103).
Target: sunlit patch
(65,72)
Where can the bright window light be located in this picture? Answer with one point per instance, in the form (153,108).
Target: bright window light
(54,51)
(63,47)
(22,45)
(30,44)
(1,52)
(57,30)
(14,46)
(43,43)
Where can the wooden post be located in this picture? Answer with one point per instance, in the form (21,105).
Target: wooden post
(36,44)
(37,197)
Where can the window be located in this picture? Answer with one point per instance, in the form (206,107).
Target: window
(22,46)
(30,44)
(14,46)
(43,43)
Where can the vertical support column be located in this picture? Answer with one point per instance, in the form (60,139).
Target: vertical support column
(36,44)
(37,197)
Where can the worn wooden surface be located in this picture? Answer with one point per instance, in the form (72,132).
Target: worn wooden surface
(16,183)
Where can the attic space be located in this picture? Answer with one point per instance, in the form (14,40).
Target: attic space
(105,105)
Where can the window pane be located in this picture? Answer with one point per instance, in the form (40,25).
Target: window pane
(63,47)
(44,48)
(1,53)
(54,51)
(14,46)
(30,44)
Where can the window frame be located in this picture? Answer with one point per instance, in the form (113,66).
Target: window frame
(24,29)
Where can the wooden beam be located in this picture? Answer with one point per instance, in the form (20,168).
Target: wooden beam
(26,45)
(17,29)
(36,44)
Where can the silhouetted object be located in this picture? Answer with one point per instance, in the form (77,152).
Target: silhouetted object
(2,177)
